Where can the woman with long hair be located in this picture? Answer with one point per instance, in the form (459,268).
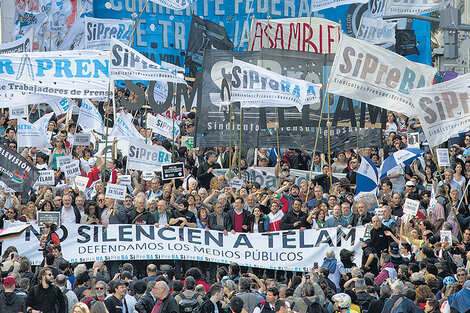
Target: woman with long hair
(10,215)
(29,213)
(46,206)
(59,150)
(258,221)
(92,214)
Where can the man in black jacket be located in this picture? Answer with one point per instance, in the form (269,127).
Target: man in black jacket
(146,303)
(295,219)
(165,303)
(9,301)
(45,290)
(140,215)
(204,172)
(362,217)
(217,294)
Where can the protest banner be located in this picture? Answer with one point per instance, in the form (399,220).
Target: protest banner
(48,217)
(75,37)
(12,231)
(17,173)
(325,4)
(46,178)
(172,171)
(18,112)
(443,109)
(413,140)
(71,169)
(25,22)
(89,117)
(291,250)
(375,75)
(43,122)
(81,182)
(125,180)
(70,74)
(62,160)
(312,34)
(376,31)
(124,128)
(144,157)
(81,139)
(60,105)
(174,4)
(443,157)
(164,126)
(24,44)
(10,95)
(30,136)
(151,121)
(410,207)
(98,32)
(115,191)
(349,119)
(416,7)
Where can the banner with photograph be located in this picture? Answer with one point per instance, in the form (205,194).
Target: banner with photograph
(443,109)
(98,32)
(317,35)
(377,31)
(145,157)
(291,250)
(378,76)
(17,173)
(418,7)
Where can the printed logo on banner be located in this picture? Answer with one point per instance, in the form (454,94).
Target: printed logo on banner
(145,157)
(173,171)
(100,31)
(115,191)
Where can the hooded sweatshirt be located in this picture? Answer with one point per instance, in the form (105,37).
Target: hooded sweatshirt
(11,303)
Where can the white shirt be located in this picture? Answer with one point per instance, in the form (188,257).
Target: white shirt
(67,216)
(162,220)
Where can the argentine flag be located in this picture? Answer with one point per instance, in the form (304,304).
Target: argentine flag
(367,178)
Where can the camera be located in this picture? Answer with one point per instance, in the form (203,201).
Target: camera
(307,275)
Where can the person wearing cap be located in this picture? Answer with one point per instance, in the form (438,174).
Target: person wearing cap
(342,303)
(94,172)
(10,302)
(395,255)
(369,257)
(116,302)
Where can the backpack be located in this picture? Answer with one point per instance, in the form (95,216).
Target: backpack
(188,305)
(314,307)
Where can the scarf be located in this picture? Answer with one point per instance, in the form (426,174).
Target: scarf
(330,264)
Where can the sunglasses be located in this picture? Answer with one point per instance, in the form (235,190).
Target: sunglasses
(99,288)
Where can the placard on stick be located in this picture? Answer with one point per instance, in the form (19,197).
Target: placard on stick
(46,178)
(148,175)
(71,169)
(410,207)
(446,235)
(172,171)
(124,180)
(81,182)
(443,157)
(82,139)
(236,183)
(49,217)
(413,140)
(117,192)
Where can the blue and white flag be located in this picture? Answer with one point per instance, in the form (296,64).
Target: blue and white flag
(42,123)
(124,128)
(405,156)
(367,176)
(30,136)
(89,117)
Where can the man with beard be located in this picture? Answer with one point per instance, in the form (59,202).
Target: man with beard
(244,174)
(204,172)
(45,290)
(294,193)
(295,219)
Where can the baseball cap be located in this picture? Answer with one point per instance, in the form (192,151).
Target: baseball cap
(9,281)
(410,183)
(366,240)
(92,162)
(394,248)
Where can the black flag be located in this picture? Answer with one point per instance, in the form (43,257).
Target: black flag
(205,34)
(15,171)
(406,42)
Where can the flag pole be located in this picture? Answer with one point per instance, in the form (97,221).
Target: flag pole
(277,139)
(329,147)
(240,144)
(230,143)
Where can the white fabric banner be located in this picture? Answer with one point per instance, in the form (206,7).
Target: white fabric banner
(60,106)
(174,4)
(25,21)
(368,73)
(164,126)
(417,7)
(377,31)
(443,109)
(284,250)
(314,34)
(24,44)
(145,157)
(123,127)
(89,117)
(264,88)
(75,38)
(127,64)
(69,74)
(10,95)
(30,136)
(42,123)
(98,32)
(318,5)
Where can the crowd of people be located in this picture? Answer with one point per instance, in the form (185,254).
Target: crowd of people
(406,265)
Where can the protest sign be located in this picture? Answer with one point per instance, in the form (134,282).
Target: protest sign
(48,217)
(172,171)
(236,183)
(378,76)
(410,207)
(413,140)
(297,251)
(443,157)
(46,178)
(312,34)
(17,173)
(18,112)
(70,74)
(446,236)
(60,105)
(376,31)
(43,122)
(81,139)
(443,109)
(151,121)
(98,32)
(416,7)
(125,180)
(71,169)
(124,128)
(145,157)
(62,160)
(29,135)
(148,175)
(164,126)
(81,182)
(115,191)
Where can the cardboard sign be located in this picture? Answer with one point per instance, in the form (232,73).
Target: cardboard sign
(62,160)
(18,112)
(236,183)
(117,192)
(410,207)
(148,175)
(446,235)
(443,157)
(81,182)
(82,139)
(413,140)
(125,180)
(187,141)
(49,217)
(46,178)
(71,169)
(171,171)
